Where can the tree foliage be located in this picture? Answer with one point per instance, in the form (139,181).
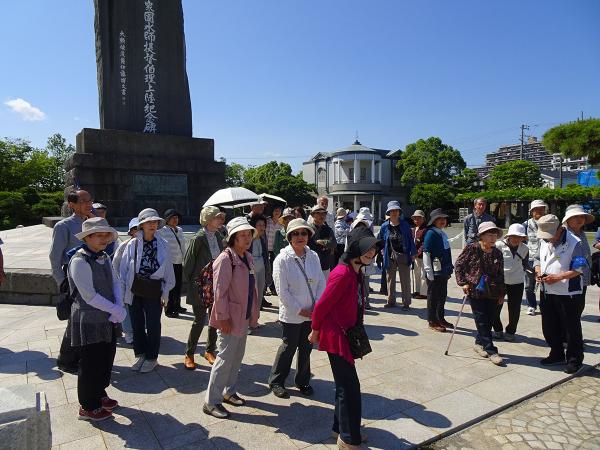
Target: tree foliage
(430,196)
(572,193)
(466,181)
(429,161)
(575,139)
(515,175)
(234,174)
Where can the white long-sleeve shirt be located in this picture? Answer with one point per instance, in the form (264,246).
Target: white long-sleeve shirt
(176,247)
(291,284)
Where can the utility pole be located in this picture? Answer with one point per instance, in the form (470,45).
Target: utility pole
(523,128)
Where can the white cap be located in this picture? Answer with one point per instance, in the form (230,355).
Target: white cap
(516,229)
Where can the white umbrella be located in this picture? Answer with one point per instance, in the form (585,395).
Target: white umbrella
(233,197)
(267,197)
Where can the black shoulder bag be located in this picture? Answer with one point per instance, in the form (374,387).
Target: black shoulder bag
(357,335)
(144,287)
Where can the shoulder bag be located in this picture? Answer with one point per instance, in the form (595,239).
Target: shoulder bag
(357,335)
(144,287)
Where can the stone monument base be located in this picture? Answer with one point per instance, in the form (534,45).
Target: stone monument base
(24,418)
(130,171)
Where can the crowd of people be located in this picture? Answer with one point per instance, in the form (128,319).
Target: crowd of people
(320,270)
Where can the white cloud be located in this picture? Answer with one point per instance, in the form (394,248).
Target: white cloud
(25,109)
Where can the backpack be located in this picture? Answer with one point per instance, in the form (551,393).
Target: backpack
(63,307)
(204,282)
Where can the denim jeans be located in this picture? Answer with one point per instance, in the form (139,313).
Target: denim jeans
(484,310)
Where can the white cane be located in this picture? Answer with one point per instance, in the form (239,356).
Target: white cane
(456,324)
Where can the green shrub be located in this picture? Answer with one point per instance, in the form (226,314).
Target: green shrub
(14,210)
(45,207)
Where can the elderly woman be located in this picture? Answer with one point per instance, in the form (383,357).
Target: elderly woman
(516,263)
(575,219)
(340,308)
(300,282)
(479,272)
(234,308)
(341,228)
(146,277)
(273,226)
(437,266)
(280,237)
(116,262)
(173,234)
(96,314)
(262,266)
(204,247)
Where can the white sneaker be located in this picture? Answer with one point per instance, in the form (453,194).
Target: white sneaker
(138,363)
(480,351)
(531,311)
(149,365)
(496,359)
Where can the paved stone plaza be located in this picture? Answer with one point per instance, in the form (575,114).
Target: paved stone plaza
(566,417)
(412,393)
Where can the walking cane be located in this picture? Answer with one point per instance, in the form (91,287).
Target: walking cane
(456,325)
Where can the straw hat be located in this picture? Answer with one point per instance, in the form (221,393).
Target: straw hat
(96,225)
(297,224)
(488,226)
(238,224)
(577,210)
(547,226)
(148,215)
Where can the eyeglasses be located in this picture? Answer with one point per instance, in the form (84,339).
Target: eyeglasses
(299,233)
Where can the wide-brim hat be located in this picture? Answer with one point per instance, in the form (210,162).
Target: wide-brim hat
(341,213)
(577,210)
(516,229)
(287,212)
(96,225)
(208,213)
(171,213)
(436,214)
(484,227)
(538,204)
(367,219)
(149,215)
(547,226)
(418,213)
(391,206)
(239,224)
(99,206)
(133,223)
(360,241)
(317,209)
(297,224)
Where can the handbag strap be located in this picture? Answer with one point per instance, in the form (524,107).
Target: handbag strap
(178,242)
(312,296)
(135,258)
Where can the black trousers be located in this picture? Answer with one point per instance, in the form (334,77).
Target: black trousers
(484,310)
(145,320)
(68,356)
(294,337)
(201,313)
(437,291)
(347,416)
(174,302)
(514,294)
(272,285)
(95,368)
(562,313)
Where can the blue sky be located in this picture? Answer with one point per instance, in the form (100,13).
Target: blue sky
(283,79)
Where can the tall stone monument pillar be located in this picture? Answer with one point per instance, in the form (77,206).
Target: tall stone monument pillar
(144,155)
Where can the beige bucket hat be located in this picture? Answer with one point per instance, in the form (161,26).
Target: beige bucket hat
(96,225)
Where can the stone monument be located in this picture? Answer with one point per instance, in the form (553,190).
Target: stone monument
(144,154)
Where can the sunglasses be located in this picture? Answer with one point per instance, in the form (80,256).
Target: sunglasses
(299,233)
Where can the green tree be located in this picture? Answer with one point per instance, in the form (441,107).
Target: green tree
(57,147)
(429,161)
(234,173)
(467,181)
(515,175)
(575,139)
(431,196)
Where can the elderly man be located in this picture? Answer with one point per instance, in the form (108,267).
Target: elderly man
(63,240)
(418,232)
(256,209)
(537,209)
(559,268)
(323,202)
(473,220)
(323,240)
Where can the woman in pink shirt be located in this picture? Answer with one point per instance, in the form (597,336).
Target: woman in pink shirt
(341,307)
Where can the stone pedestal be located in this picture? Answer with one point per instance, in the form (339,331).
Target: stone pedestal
(130,171)
(24,419)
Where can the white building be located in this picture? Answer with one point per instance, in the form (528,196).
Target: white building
(355,177)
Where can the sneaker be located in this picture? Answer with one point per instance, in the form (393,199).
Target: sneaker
(306,390)
(496,359)
(96,415)
(531,311)
(172,314)
(437,327)
(405,307)
(234,400)
(108,403)
(480,351)
(363,437)
(498,335)
(148,365)
(573,368)
(181,310)
(279,391)
(137,365)
(217,411)
(446,324)
(509,337)
(553,360)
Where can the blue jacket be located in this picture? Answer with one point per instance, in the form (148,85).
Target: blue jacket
(408,243)
(434,245)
